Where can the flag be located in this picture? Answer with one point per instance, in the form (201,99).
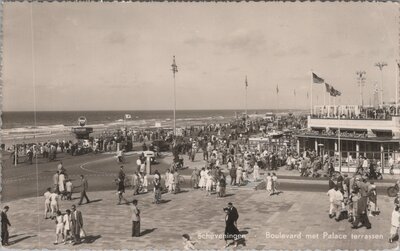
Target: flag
(128,116)
(327,87)
(246,84)
(277,89)
(316,79)
(332,91)
(337,93)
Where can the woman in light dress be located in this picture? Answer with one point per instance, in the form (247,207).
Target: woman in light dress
(256,172)
(268,183)
(167,181)
(61,185)
(67,225)
(202,182)
(59,226)
(209,182)
(239,175)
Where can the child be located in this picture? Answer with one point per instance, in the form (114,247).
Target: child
(187,244)
(47,209)
(394,229)
(69,186)
(59,226)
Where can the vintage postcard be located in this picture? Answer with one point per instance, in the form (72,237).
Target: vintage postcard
(195,125)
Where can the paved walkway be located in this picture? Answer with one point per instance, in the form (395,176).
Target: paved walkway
(296,221)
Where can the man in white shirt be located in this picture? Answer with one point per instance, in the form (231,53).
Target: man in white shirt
(395,224)
(332,194)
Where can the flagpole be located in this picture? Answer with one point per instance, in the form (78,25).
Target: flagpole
(339,148)
(174,71)
(311,83)
(246,99)
(397,86)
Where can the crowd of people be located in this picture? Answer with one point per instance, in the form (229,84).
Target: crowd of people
(353,198)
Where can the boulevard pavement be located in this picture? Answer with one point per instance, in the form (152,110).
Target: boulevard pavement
(296,220)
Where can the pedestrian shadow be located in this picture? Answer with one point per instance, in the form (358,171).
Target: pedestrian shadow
(14,235)
(164,201)
(244,232)
(228,195)
(21,239)
(91,238)
(182,191)
(147,231)
(94,201)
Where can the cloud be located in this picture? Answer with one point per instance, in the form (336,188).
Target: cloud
(293,51)
(242,40)
(337,54)
(195,40)
(115,38)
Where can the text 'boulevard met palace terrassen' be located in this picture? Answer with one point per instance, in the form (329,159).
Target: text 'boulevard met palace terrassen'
(323,235)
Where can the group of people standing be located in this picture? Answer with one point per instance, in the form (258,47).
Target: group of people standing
(354,199)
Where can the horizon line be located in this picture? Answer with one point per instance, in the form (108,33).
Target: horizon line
(230,109)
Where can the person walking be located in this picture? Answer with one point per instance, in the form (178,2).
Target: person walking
(69,187)
(395,224)
(391,165)
(362,207)
(47,208)
(274,179)
(61,185)
(77,224)
(222,186)
(84,187)
(55,181)
(268,184)
(121,191)
(135,183)
(195,179)
(135,219)
(54,204)
(59,226)
(157,190)
(331,194)
(67,225)
(256,172)
(5,223)
(231,230)
(232,173)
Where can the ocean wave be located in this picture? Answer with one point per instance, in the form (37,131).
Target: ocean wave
(143,123)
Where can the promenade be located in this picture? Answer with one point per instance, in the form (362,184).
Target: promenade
(295,219)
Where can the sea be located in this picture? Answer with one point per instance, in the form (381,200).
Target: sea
(25,123)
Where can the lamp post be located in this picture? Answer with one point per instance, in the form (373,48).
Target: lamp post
(361,81)
(174,71)
(380,65)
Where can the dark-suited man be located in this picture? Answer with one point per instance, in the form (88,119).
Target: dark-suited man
(84,187)
(135,219)
(5,223)
(77,224)
(362,206)
(234,212)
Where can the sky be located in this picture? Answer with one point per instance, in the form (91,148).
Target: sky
(118,56)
